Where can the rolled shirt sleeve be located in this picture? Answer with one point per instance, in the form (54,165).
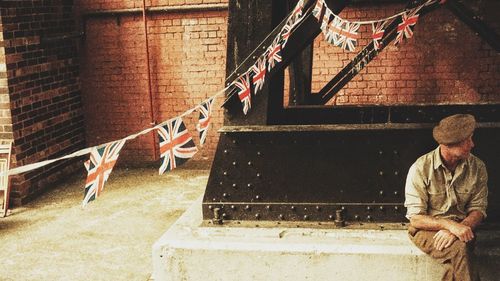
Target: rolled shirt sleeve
(415,195)
(479,200)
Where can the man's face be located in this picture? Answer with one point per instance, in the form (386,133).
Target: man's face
(462,149)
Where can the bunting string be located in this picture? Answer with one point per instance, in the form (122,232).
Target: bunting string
(427,3)
(177,145)
(297,21)
(337,31)
(85,151)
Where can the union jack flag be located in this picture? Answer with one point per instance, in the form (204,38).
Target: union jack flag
(296,15)
(244,93)
(204,120)
(331,36)
(285,34)
(350,35)
(99,167)
(176,145)
(326,21)
(273,54)
(319,9)
(405,28)
(378,34)
(343,34)
(294,18)
(259,74)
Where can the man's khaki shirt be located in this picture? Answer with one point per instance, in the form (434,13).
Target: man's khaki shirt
(431,189)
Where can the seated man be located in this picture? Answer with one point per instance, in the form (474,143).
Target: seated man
(446,197)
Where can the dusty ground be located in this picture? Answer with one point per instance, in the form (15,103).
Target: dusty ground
(53,238)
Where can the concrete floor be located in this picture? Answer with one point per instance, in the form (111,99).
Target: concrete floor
(53,238)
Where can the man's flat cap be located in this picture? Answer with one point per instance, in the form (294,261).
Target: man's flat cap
(454,129)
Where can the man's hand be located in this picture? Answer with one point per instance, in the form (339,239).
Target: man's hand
(443,239)
(463,232)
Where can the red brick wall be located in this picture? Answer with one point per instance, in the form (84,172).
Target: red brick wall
(444,62)
(5,117)
(43,88)
(187,63)
(95,5)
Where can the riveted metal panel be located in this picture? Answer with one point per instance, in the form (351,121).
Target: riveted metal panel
(308,174)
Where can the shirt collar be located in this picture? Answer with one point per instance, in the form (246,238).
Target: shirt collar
(437,161)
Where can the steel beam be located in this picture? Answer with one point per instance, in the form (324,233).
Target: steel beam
(303,36)
(473,21)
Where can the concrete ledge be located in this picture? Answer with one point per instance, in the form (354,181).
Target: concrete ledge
(190,252)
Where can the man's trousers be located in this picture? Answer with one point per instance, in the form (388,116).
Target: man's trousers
(457,259)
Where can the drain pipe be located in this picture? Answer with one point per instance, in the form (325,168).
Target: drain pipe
(151,103)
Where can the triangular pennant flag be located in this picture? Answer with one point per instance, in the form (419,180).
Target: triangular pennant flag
(327,19)
(405,28)
(319,9)
(294,19)
(378,34)
(259,74)
(273,54)
(204,119)
(285,34)
(297,13)
(176,145)
(99,166)
(349,35)
(244,93)
(331,35)
(343,34)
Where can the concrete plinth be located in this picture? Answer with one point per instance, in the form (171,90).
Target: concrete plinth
(190,252)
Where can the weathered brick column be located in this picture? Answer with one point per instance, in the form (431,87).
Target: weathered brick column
(40,99)
(5,117)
